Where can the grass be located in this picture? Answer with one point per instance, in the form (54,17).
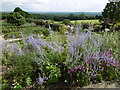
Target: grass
(84,21)
(79,21)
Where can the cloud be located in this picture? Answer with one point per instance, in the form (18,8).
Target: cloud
(42,1)
(23,2)
(55,5)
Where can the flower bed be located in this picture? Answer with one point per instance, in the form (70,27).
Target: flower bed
(75,59)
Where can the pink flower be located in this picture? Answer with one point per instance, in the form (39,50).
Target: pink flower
(108,53)
(72,70)
(64,69)
(76,67)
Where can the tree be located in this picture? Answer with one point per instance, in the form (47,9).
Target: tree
(72,17)
(66,22)
(82,16)
(111,13)
(23,13)
(16,18)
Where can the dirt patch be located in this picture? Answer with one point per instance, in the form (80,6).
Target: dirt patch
(104,85)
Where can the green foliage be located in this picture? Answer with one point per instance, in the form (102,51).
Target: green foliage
(66,22)
(111,41)
(112,12)
(109,73)
(82,16)
(23,13)
(73,17)
(117,26)
(62,29)
(20,70)
(16,19)
(50,21)
(10,31)
(52,72)
(62,16)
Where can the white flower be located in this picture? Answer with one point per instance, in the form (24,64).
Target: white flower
(106,29)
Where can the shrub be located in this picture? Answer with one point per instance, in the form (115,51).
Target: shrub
(16,19)
(67,22)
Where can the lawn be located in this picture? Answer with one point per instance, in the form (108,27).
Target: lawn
(85,21)
(79,21)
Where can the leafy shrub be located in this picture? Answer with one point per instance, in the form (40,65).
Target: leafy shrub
(66,22)
(16,19)
(85,25)
(62,29)
(117,26)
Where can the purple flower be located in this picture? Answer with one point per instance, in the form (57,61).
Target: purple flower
(76,67)
(69,72)
(101,53)
(82,68)
(75,43)
(108,53)
(107,64)
(64,69)
(40,80)
(72,70)
(89,61)
(13,48)
(102,68)
(91,82)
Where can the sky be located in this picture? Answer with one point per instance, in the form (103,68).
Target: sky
(54,5)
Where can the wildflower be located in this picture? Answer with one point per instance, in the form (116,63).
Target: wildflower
(40,80)
(75,67)
(64,69)
(75,42)
(13,48)
(72,70)
(108,53)
(106,29)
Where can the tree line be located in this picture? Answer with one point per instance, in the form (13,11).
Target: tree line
(62,17)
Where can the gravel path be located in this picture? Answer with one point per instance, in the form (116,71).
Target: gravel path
(11,40)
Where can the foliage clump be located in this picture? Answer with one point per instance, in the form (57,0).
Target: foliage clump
(111,13)
(16,19)
(66,22)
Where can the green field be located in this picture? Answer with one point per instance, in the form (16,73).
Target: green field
(85,21)
(80,21)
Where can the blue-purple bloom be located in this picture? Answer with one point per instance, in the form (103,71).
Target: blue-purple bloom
(13,48)
(40,80)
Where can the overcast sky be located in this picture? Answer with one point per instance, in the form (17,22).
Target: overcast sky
(54,5)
